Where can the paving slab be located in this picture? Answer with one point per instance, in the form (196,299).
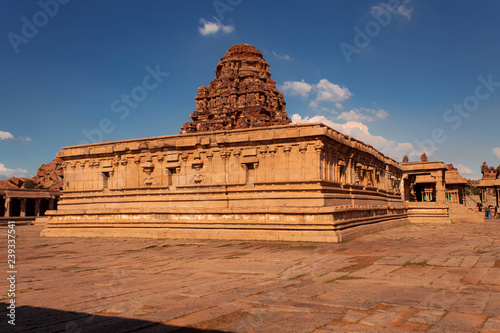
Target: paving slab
(492,324)
(418,277)
(380,319)
(459,322)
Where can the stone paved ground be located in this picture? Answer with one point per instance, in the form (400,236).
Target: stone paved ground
(435,278)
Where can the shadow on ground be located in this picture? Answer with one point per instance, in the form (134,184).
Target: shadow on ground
(35,319)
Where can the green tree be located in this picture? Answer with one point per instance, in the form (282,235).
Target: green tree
(30,184)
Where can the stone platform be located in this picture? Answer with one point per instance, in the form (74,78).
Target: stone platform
(414,278)
(302,182)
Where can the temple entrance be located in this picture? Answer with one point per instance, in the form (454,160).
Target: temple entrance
(30,207)
(425,192)
(44,206)
(15,207)
(454,196)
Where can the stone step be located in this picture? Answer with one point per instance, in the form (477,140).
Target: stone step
(41,220)
(223,231)
(463,214)
(211,225)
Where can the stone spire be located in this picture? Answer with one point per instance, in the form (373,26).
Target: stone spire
(242,95)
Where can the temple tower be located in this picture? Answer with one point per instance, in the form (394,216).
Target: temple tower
(242,95)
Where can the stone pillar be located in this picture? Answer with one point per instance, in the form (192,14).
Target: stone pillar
(319,148)
(123,163)
(237,154)
(210,157)
(111,179)
(225,156)
(272,151)
(72,181)
(23,207)
(348,171)
(264,168)
(328,167)
(52,203)
(137,162)
(90,176)
(303,150)
(440,188)
(37,206)
(116,172)
(287,150)
(83,177)
(7,207)
(160,159)
(184,169)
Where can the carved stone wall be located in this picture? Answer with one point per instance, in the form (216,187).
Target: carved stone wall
(305,182)
(242,95)
(230,175)
(297,153)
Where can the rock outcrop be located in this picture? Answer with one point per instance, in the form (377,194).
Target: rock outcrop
(242,95)
(13,182)
(48,176)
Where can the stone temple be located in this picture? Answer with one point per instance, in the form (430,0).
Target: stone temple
(239,170)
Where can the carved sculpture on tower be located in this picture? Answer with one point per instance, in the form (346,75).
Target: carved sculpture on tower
(242,95)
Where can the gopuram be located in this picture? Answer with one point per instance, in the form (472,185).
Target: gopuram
(433,191)
(489,185)
(239,170)
(243,95)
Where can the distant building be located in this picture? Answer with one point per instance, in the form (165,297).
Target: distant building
(489,184)
(26,205)
(433,191)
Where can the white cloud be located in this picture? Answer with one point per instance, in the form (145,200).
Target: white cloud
(283,57)
(354,115)
(381,114)
(25,139)
(358,130)
(462,169)
(363,114)
(7,173)
(212,28)
(6,135)
(325,90)
(496,151)
(403,8)
(331,92)
(297,88)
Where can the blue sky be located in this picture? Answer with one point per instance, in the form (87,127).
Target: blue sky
(406,76)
